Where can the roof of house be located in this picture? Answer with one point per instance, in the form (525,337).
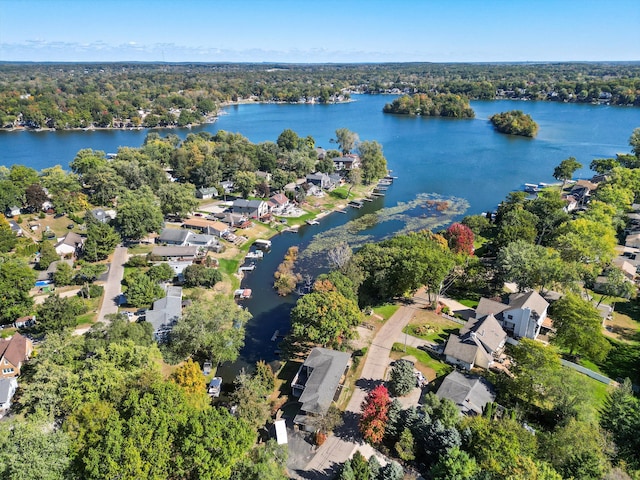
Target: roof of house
(632,237)
(166,311)
(317,176)
(174,251)
(242,203)
(531,300)
(461,348)
(487,306)
(71,239)
(584,184)
(279,198)
(208,191)
(201,238)
(486,330)
(625,266)
(470,393)
(7,389)
(173,235)
(328,367)
(16,349)
(15,226)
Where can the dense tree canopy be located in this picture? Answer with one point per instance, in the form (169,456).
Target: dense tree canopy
(514,122)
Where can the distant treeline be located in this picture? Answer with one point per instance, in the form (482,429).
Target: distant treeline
(120,95)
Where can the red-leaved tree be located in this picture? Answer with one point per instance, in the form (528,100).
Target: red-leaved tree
(374,414)
(460,238)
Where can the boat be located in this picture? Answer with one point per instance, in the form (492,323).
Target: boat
(242,293)
(249,268)
(256,254)
(275,335)
(531,187)
(262,244)
(341,211)
(313,222)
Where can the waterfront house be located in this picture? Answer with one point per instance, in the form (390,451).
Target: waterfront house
(346,162)
(479,342)
(231,219)
(8,387)
(175,253)
(582,191)
(319,179)
(165,313)
(173,236)
(70,245)
(278,202)
(206,192)
(318,383)
(521,317)
(14,351)
(208,227)
(250,208)
(470,393)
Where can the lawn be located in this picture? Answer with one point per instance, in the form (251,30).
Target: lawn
(385,311)
(467,302)
(429,366)
(429,326)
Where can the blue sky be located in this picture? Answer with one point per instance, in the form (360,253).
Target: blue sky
(319,31)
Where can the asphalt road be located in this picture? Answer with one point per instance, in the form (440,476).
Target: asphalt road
(112,287)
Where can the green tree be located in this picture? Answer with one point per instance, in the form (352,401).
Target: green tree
(402,379)
(456,464)
(634,141)
(392,471)
(200,276)
(324,318)
(617,285)
(245,182)
(264,462)
(566,169)
(161,272)
(141,290)
(288,140)
(587,241)
(16,279)
(579,327)
(101,240)
(621,418)
(88,160)
(603,165)
(373,162)
(63,275)
(58,313)
(33,448)
(177,199)
(138,214)
(212,330)
(405,446)
(516,224)
(47,256)
(534,364)
(346,139)
(8,239)
(252,399)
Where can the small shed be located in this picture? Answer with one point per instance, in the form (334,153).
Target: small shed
(281,432)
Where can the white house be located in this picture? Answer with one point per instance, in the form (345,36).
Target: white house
(69,245)
(521,317)
(8,387)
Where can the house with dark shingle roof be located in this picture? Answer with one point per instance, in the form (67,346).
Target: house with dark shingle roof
(317,382)
(479,341)
(250,208)
(173,236)
(165,313)
(14,351)
(470,393)
(521,317)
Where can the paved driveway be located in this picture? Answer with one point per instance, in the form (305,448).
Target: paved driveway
(112,287)
(339,447)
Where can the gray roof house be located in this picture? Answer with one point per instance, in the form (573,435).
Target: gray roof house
(521,317)
(8,387)
(103,216)
(165,313)
(318,179)
(206,192)
(175,253)
(477,344)
(317,381)
(16,228)
(250,208)
(470,393)
(173,236)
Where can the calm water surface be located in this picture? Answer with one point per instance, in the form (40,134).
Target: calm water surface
(460,158)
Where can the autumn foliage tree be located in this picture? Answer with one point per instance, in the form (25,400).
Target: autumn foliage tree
(375,414)
(460,238)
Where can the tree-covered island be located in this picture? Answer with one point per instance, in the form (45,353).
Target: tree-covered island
(431,105)
(514,122)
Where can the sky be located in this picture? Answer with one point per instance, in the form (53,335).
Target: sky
(309,31)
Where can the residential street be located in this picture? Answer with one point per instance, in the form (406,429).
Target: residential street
(112,287)
(339,446)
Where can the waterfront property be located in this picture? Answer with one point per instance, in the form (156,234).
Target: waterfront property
(165,313)
(346,162)
(175,253)
(250,208)
(317,383)
(523,316)
(479,343)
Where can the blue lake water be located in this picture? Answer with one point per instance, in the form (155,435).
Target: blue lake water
(466,159)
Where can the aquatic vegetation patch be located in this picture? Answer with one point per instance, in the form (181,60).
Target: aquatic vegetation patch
(425,212)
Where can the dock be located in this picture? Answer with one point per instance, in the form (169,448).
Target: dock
(242,293)
(262,244)
(313,222)
(341,211)
(355,204)
(249,268)
(377,194)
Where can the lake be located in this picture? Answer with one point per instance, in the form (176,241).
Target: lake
(464,159)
